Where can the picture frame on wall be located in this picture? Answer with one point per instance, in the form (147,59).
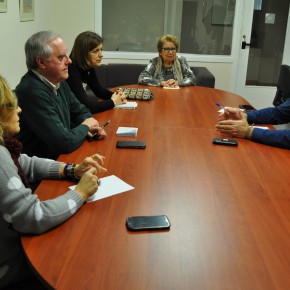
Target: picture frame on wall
(3,5)
(26,10)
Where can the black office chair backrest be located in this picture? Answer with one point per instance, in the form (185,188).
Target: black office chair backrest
(101,72)
(283,85)
(120,74)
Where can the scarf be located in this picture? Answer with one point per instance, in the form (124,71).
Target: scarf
(176,69)
(14,147)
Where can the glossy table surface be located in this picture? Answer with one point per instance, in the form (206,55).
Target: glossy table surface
(229,207)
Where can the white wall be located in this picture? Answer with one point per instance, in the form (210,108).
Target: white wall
(64,16)
(72,17)
(13,35)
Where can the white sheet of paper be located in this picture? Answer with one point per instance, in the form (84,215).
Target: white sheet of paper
(128,105)
(261,127)
(127,131)
(172,88)
(110,185)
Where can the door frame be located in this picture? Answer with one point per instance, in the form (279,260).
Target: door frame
(258,96)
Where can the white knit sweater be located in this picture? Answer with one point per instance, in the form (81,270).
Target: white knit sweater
(22,212)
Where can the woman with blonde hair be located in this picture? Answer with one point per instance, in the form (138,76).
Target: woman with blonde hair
(167,70)
(20,210)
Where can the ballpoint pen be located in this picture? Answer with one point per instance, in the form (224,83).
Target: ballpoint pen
(96,134)
(222,107)
(107,123)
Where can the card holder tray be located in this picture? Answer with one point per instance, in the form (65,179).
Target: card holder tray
(137,94)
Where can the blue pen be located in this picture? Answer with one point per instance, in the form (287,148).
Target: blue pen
(219,105)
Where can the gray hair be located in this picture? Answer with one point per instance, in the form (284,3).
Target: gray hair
(38,45)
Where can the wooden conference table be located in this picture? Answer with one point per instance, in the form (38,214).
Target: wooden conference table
(228,206)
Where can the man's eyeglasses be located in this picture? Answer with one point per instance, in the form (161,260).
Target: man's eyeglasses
(167,49)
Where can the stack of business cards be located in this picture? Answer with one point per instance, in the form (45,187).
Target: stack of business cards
(127,131)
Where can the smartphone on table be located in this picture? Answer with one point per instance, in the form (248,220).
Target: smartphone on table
(225,141)
(131,144)
(145,223)
(247,108)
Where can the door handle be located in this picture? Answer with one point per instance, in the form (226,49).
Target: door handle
(244,43)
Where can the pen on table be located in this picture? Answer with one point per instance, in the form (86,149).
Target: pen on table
(107,123)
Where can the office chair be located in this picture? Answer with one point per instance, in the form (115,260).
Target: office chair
(283,86)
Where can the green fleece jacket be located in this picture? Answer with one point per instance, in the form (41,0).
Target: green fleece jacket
(50,123)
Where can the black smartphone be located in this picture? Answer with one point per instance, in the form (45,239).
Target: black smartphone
(225,141)
(131,144)
(247,108)
(145,223)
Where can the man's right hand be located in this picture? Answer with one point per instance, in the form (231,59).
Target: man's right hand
(92,123)
(230,113)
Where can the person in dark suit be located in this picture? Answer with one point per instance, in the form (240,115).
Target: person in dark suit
(235,123)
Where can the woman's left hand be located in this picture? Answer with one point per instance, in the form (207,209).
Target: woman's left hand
(89,162)
(119,98)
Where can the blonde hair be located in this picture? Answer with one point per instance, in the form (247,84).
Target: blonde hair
(167,37)
(8,103)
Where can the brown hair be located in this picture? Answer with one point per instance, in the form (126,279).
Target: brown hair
(8,103)
(84,43)
(167,37)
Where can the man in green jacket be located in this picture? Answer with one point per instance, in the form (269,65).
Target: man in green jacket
(53,121)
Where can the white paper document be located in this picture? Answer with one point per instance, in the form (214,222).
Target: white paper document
(128,105)
(127,131)
(172,88)
(110,185)
(261,127)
